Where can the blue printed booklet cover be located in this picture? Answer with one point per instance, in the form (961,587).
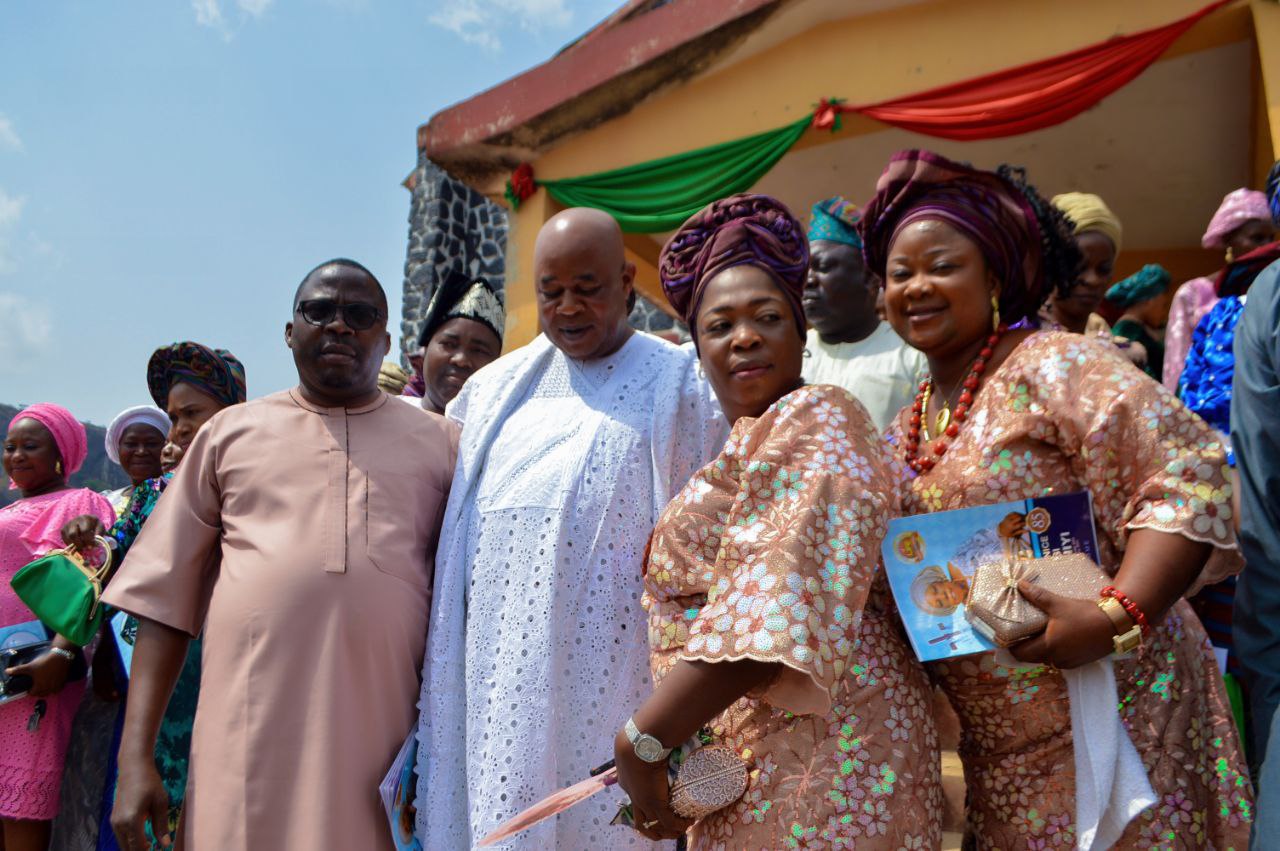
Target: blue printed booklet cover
(930,559)
(125,633)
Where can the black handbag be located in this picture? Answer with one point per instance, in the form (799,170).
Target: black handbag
(12,687)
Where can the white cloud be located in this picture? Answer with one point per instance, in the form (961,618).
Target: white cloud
(478,22)
(10,212)
(10,208)
(9,139)
(256,8)
(209,13)
(26,328)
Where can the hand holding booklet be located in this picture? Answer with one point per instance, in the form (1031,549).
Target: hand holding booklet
(932,559)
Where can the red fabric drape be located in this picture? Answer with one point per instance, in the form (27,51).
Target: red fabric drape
(1029,97)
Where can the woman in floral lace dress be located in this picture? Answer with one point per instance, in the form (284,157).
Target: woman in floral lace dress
(1033,413)
(769,620)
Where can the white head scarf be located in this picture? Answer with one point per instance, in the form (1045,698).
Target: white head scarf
(145,414)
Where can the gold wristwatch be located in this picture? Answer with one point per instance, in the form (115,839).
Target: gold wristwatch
(1128,635)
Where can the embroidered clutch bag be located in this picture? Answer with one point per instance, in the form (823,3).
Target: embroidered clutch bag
(710,779)
(996,607)
(704,778)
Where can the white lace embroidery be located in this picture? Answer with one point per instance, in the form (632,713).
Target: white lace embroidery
(556,656)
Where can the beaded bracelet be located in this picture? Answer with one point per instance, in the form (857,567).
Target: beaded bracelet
(1130,607)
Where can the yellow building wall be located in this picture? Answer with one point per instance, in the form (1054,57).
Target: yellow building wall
(1266,25)
(864,60)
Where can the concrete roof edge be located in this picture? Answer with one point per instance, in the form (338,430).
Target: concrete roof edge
(580,68)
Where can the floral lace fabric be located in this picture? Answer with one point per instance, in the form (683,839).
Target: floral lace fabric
(1065,413)
(772,553)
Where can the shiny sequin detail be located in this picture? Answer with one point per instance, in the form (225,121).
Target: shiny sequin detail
(1061,414)
(771,552)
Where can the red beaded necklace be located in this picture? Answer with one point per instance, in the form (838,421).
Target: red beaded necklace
(952,426)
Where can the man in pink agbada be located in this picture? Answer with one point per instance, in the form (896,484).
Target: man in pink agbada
(299,536)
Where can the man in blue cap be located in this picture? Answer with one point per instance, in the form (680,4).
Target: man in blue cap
(849,345)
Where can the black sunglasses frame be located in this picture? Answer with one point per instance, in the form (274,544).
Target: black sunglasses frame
(332,309)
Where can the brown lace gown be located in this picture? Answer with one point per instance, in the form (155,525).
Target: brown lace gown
(772,552)
(1067,413)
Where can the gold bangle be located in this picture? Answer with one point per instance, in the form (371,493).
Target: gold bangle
(1121,623)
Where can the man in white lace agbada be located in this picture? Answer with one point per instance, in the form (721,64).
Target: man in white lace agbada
(538,648)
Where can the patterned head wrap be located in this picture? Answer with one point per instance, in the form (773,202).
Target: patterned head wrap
(1146,283)
(741,230)
(1238,207)
(68,434)
(466,297)
(216,372)
(392,378)
(1273,192)
(1090,213)
(835,220)
(140,414)
(984,206)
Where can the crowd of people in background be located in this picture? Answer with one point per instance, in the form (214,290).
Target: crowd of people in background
(604,544)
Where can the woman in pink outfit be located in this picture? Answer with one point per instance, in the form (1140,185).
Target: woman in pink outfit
(1242,223)
(44,445)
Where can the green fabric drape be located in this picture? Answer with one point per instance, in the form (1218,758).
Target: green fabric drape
(659,195)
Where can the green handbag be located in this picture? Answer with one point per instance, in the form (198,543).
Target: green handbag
(65,592)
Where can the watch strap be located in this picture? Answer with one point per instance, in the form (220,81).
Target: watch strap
(1129,641)
(1114,610)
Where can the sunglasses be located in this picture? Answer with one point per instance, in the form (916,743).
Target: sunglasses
(358,316)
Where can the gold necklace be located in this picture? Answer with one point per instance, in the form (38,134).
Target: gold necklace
(941,420)
(925,392)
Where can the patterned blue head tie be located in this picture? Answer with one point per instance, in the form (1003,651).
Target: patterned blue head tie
(1273,192)
(1146,283)
(836,220)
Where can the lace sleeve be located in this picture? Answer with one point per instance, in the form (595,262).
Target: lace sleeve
(800,546)
(1148,462)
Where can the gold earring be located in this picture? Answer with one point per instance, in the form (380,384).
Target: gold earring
(995,312)
(1231,255)
(57,467)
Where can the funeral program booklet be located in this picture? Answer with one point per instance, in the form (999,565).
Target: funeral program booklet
(930,560)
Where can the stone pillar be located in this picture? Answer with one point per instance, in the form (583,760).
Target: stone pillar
(453,226)
(450,226)
(647,316)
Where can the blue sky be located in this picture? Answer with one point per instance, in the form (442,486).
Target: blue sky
(169,169)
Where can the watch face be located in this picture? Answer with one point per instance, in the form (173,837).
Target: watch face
(649,749)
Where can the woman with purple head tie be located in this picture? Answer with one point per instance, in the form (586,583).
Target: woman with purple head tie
(769,619)
(1009,414)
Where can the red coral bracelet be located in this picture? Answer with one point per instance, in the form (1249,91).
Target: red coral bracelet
(1130,607)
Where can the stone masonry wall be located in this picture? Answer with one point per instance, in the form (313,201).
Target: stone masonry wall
(453,226)
(450,226)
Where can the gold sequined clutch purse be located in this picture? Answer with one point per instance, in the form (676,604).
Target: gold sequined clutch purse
(710,779)
(996,607)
